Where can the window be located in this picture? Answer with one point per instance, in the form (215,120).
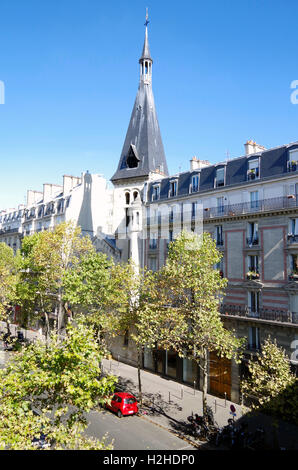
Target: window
(193,209)
(220,177)
(253,303)
(253,234)
(152,264)
(253,338)
(173,189)
(219,237)
(253,169)
(293,232)
(127,198)
(253,263)
(254,199)
(220,205)
(153,242)
(195,183)
(293,160)
(294,264)
(156,193)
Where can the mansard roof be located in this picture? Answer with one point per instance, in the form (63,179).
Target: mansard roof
(273,163)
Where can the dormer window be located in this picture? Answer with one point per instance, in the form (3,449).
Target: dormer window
(194,184)
(253,171)
(173,188)
(132,159)
(293,160)
(156,192)
(220,177)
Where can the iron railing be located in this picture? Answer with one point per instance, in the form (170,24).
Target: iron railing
(263,205)
(280,316)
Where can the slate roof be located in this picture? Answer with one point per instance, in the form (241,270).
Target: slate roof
(273,164)
(144,134)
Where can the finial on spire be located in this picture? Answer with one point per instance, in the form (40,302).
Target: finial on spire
(146,22)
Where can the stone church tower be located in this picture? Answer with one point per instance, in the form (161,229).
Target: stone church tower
(142,160)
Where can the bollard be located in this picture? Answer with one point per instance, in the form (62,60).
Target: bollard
(225,399)
(214,406)
(153,402)
(194,387)
(118,360)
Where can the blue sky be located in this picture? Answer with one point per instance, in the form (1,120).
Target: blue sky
(221,75)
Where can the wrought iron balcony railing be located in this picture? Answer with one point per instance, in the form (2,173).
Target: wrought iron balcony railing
(263,205)
(280,316)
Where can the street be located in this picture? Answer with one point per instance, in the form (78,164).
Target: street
(133,433)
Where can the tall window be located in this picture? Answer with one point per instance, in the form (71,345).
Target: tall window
(219,237)
(253,337)
(220,205)
(156,193)
(253,263)
(294,264)
(254,199)
(195,183)
(220,177)
(253,303)
(253,169)
(293,160)
(253,234)
(193,209)
(173,189)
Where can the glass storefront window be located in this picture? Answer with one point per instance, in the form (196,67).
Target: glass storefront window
(189,371)
(148,359)
(171,364)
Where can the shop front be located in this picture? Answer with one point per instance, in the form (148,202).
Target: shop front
(169,364)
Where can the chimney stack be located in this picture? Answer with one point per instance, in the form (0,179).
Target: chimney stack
(197,164)
(252,147)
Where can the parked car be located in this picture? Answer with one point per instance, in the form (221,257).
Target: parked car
(123,404)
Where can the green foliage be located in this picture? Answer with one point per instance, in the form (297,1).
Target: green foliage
(193,288)
(8,279)
(47,257)
(61,381)
(271,382)
(98,287)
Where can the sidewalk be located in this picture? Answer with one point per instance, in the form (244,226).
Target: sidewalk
(173,402)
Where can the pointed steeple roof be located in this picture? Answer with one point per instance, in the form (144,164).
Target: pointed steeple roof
(143,151)
(146,51)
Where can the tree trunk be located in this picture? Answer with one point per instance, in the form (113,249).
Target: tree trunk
(47,327)
(205,380)
(60,313)
(139,374)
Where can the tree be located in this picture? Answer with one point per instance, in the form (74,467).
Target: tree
(149,319)
(49,388)
(98,287)
(269,376)
(46,259)
(8,281)
(193,289)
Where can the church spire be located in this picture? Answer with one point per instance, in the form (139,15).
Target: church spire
(143,152)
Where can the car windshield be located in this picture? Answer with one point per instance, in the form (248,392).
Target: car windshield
(129,401)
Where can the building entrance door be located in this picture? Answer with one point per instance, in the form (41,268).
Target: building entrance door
(220,376)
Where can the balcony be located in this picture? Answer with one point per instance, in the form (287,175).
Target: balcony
(264,205)
(273,315)
(293,276)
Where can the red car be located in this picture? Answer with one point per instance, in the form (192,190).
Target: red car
(123,404)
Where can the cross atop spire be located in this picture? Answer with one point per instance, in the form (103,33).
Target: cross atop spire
(146,51)
(146,22)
